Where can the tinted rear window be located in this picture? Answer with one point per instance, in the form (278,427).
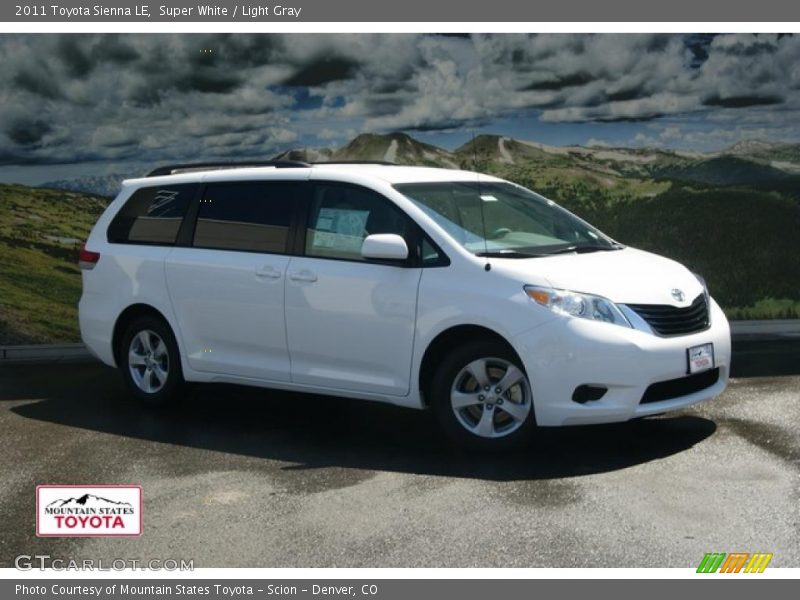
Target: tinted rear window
(152,215)
(251,216)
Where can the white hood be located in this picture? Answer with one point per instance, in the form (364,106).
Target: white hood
(627,276)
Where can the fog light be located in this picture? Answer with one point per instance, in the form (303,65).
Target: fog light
(587,393)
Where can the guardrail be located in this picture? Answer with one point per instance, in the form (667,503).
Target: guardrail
(44,353)
(765,330)
(741,331)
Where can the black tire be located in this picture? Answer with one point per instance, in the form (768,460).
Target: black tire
(160,394)
(519,432)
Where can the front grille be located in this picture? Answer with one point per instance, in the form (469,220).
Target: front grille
(683,386)
(670,320)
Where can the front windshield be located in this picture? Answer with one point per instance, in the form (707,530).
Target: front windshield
(502,218)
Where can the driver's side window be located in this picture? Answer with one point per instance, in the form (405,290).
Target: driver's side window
(341,216)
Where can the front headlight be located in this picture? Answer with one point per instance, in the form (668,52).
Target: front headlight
(576,304)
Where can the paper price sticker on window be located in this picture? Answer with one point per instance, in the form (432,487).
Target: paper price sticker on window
(340,229)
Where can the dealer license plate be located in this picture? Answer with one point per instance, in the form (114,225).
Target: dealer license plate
(701,358)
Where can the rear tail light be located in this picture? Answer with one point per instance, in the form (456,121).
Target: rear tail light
(86,259)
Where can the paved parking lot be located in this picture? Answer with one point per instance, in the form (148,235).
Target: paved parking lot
(238,477)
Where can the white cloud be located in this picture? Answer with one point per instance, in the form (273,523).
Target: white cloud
(671,133)
(646,141)
(596,143)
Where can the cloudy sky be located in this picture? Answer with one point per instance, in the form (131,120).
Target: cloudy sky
(74,104)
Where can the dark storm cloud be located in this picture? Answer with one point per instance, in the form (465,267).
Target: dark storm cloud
(73,54)
(643,119)
(37,79)
(145,95)
(392,87)
(559,83)
(445,125)
(243,51)
(26,133)
(631,93)
(698,45)
(160,75)
(378,106)
(465,36)
(742,101)
(212,82)
(322,71)
(758,48)
(114,49)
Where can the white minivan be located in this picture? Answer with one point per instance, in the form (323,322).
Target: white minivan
(421,287)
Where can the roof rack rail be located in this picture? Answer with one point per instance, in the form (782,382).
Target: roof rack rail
(385,163)
(209,166)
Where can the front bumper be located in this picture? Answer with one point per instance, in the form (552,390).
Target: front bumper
(566,353)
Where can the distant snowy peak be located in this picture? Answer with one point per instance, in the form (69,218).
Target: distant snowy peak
(101,185)
(751,147)
(305,154)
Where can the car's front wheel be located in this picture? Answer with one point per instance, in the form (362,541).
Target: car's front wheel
(149,361)
(482,397)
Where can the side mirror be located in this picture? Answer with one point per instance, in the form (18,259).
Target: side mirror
(384,246)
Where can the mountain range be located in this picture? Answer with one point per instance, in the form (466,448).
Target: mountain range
(743,163)
(750,162)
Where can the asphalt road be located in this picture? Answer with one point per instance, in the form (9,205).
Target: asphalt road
(253,478)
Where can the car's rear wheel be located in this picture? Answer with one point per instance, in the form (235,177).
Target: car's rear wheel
(482,397)
(149,361)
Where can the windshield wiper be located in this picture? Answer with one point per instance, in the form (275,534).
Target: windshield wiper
(586,249)
(508,254)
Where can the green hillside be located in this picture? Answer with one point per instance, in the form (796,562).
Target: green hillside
(40,233)
(725,170)
(743,241)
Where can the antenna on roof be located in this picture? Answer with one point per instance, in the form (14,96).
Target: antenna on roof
(488,265)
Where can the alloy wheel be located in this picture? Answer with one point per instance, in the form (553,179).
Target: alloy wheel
(148,361)
(491,397)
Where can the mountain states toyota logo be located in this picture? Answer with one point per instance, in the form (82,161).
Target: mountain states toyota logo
(95,510)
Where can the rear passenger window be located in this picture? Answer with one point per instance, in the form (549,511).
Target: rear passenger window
(152,215)
(342,216)
(245,216)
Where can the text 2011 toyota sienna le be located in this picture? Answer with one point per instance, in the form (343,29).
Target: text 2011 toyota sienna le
(416,286)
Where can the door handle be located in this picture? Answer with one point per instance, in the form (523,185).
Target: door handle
(268,272)
(304,275)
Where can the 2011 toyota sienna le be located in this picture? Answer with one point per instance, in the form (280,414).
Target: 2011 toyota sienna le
(420,287)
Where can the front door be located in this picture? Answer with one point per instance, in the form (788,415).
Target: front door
(350,322)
